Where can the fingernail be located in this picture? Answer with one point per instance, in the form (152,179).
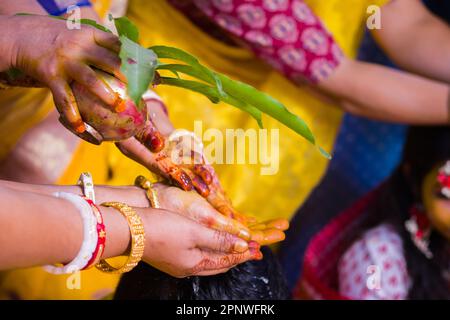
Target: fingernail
(200,186)
(256,254)
(240,246)
(80,127)
(244,234)
(154,141)
(254,245)
(203,172)
(184,181)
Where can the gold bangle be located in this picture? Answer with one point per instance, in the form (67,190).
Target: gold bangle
(137,239)
(147,185)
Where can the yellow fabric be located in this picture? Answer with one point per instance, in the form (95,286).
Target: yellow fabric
(301,166)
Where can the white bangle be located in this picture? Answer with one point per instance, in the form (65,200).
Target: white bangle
(90,236)
(87,185)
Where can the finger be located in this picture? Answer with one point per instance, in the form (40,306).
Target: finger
(268,236)
(219,241)
(158,163)
(280,224)
(136,151)
(199,185)
(158,107)
(210,218)
(258,227)
(66,104)
(105,60)
(87,77)
(203,172)
(107,40)
(231,226)
(151,138)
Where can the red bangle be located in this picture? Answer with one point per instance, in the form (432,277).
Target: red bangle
(101,236)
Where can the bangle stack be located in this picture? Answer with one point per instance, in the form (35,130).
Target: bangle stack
(94,232)
(101,236)
(92,244)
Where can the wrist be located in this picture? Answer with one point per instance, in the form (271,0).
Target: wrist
(336,84)
(117,233)
(131,195)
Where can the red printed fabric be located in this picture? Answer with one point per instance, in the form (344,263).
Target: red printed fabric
(284,33)
(380,251)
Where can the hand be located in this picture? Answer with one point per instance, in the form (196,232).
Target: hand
(57,56)
(194,207)
(182,248)
(153,150)
(202,177)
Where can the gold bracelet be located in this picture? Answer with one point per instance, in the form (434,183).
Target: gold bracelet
(147,185)
(137,239)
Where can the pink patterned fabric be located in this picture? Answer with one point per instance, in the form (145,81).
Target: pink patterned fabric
(378,250)
(284,33)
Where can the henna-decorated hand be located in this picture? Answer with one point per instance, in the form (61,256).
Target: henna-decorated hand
(192,205)
(182,162)
(57,57)
(181,247)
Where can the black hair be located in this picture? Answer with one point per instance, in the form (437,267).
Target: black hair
(253,280)
(426,147)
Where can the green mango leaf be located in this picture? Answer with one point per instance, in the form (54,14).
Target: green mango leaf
(193,72)
(254,112)
(208,91)
(241,92)
(138,65)
(267,105)
(324,153)
(94,24)
(178,54)
(126,28)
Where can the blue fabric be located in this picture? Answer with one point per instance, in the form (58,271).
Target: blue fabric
(365,153)
(57,8)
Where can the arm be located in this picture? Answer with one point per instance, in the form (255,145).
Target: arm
(382,93)
(417,41)
(360,88)
(187,204)
(35,232)
(39,229)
